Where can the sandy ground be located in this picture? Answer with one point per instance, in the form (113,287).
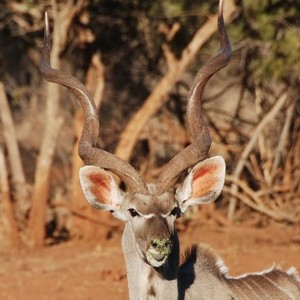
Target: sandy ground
(95,269)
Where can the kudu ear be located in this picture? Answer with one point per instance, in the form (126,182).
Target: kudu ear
(101,190)
(203,184)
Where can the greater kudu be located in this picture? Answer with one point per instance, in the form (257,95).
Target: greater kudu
(150,242)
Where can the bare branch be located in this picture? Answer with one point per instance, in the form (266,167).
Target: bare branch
(165,85)
(249,147)
(7,219)
(18,176)
(283,137)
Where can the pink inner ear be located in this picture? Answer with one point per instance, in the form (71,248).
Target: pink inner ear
(204,181)
(100,187)
(204,171)
(99,180)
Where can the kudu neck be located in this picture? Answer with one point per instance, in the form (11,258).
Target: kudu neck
(145,281)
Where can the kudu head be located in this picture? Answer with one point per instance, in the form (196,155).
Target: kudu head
(149,209)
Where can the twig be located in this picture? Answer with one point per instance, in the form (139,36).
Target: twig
(283,137)
(83,215)
(251,144)
(256,168)
(169,32)
(263,209)
(241,184)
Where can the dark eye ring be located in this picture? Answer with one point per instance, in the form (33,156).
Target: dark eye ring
(175,212)
(133,212)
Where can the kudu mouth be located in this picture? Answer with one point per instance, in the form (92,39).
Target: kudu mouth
(158,252)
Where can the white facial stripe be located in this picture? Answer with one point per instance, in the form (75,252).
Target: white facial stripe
(148,216)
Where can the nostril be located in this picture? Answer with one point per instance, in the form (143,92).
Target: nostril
(168,243)
(154,244)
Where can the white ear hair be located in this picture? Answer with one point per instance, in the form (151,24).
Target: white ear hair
(203,184)
(101,190)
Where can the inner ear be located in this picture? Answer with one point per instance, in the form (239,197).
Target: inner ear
(206,179)
(203,184)
(100,188)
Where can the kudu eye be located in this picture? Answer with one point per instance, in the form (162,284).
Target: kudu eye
(175,212)
(133,212)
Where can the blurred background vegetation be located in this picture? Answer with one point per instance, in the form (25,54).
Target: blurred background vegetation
(252,107)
